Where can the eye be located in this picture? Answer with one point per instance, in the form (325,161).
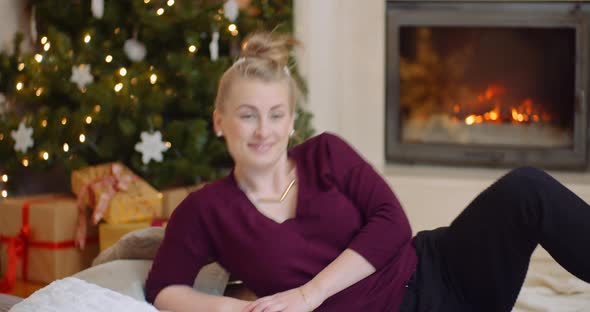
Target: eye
(277,115)
(246,116)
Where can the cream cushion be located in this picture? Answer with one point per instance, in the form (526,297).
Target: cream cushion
(138,244)
(124,266)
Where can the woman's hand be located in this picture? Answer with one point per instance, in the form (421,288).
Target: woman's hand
(235,305)
(293,300)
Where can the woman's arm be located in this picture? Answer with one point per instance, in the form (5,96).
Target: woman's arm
(347,269)
(180,298)
(382,213)
(185,249)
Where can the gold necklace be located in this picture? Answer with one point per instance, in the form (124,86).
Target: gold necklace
(278,200)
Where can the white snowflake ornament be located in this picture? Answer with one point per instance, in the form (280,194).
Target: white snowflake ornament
(214,46)
(23,138)
(134,49)
(97,7)
(81,75)
(231,10)
(151,147)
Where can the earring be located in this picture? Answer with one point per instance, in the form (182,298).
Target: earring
(219,134)
(292,133)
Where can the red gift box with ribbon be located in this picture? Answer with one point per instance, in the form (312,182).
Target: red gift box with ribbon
(37,239)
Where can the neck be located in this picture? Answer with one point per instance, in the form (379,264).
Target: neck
(265,182)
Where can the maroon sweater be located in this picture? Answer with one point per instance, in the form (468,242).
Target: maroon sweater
(341,203)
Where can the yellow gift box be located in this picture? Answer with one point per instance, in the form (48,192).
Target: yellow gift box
(173,196)
(109,234)
(45,226)
(134,202)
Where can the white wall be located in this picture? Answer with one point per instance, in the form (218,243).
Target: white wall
(344,63)
(11,20)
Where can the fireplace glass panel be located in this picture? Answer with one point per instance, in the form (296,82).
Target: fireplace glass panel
(489,86)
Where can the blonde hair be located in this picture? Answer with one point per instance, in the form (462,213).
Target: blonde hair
(264,56)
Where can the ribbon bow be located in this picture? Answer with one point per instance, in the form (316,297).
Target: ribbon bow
(107,186)
(17,251)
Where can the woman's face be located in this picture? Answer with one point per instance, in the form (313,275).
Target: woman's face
(256,120)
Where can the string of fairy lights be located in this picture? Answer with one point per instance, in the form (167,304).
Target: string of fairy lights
(66,147)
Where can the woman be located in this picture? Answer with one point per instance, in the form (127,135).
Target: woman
(316,228)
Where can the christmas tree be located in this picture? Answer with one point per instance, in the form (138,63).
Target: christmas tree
(130,81)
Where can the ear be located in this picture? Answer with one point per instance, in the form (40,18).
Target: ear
(216,121)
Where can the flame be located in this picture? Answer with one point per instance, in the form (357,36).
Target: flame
(527,111)
(490,116)
(490,92)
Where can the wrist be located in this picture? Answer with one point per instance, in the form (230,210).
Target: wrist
(313,295)
(231,305)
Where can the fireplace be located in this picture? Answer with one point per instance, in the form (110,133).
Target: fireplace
(492,84)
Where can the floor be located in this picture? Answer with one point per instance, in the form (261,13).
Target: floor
(25,289)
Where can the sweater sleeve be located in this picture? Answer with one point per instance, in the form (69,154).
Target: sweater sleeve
(185,249)
(386,228)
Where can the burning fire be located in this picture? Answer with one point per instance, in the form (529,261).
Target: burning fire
(525,112)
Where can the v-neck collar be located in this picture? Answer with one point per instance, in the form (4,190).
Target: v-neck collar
(252,210)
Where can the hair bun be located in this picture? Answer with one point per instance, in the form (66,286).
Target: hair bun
(264,56)
(268,46)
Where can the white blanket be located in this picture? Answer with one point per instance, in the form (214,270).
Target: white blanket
(550,288)
(75,295)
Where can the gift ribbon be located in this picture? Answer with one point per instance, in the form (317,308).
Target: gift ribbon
(108,185)
(18,246)
(158,222)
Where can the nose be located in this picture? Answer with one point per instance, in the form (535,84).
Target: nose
(263,129)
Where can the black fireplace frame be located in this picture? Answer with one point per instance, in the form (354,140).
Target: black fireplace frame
(487,14)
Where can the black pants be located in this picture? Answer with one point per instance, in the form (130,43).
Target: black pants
(480,261)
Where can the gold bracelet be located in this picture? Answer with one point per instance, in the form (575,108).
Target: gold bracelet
(305,299)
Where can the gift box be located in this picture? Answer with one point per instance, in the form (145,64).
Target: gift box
(109,234)
(116,194)
(173,196)
(37,236)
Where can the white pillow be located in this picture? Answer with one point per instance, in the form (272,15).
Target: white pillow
(75,295)
(128,277)
(123,276)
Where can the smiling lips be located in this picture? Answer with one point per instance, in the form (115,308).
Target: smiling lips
(260,147)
